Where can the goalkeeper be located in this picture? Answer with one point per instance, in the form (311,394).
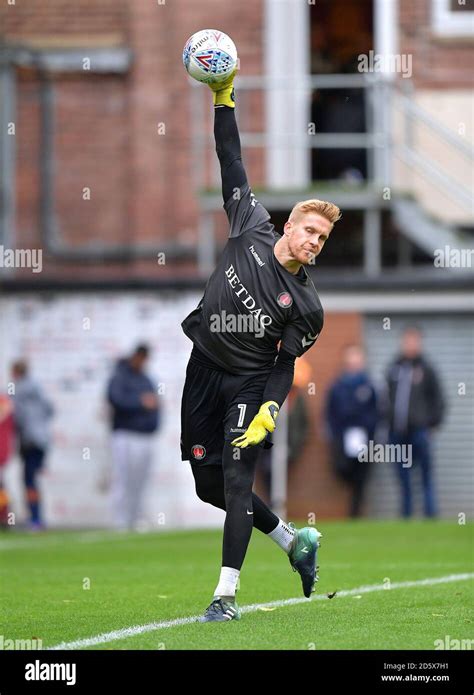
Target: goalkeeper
(258,299)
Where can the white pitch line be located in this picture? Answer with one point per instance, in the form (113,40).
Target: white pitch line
(151,627)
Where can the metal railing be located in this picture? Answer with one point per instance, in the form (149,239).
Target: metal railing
(376,140)
(411,154)
(381,99)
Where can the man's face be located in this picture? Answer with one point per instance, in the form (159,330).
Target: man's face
(307,236)
(16,374)
(354,359)
(411,344)
(137,362)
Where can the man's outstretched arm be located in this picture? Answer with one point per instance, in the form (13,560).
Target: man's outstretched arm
(226,134)
(242,208)
(228,151)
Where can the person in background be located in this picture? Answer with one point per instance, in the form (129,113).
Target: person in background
(135,418)
(32,416)
(6,449)
(351,418)
(415,405)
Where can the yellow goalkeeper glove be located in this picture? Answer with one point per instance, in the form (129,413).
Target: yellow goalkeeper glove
(261,425)
(224,92)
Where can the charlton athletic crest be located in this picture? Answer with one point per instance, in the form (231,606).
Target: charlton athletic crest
(198,452)
(285,299)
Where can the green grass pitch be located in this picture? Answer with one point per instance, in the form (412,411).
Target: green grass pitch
(62,587)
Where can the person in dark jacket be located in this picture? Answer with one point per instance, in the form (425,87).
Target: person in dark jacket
(351,417)
(416,406)
(135,418)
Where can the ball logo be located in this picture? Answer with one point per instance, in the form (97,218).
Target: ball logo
(204,59)
(285,299)
(198,452)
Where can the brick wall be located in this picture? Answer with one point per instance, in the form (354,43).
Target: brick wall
(35,18)
(312,486)
(438,62)
(106,127)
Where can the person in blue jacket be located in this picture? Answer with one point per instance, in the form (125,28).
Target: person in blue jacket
(351,417)
(135,419)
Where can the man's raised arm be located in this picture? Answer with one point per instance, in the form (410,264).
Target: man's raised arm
(227,139)
(242,208)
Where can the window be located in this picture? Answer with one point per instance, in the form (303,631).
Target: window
(453,17)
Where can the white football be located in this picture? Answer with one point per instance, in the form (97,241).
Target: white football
(210,56)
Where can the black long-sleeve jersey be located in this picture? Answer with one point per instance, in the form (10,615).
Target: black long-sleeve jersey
(251,302)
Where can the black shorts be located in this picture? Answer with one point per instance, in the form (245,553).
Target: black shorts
(216,407)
